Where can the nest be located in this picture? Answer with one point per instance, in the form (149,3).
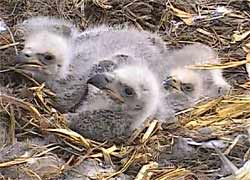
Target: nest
(220,24)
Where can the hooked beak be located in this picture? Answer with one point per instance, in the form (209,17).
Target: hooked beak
(172,83)
(104,82)
(28,61)
(100,81)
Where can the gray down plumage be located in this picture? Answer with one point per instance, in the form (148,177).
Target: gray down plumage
(57,54)
(48,55)
(117,103)
(186,86)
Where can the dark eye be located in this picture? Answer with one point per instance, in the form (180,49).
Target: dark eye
(48,57)
(138,107)
(128,91)
(187,87)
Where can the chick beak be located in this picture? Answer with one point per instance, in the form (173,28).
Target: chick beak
(115,96)
(172,83)
(104,82)
(100,81)
(28,60)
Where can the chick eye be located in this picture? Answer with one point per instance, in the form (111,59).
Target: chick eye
(48,57)
(187,87)
(128,91)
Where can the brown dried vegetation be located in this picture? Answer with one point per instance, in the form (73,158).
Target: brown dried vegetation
(223,25)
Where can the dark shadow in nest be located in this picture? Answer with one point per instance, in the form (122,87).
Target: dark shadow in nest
(236,76)
(8,77)
(143,14)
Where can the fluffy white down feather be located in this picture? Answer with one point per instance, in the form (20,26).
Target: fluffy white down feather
(204,83)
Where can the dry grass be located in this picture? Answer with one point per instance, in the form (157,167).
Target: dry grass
(223,25)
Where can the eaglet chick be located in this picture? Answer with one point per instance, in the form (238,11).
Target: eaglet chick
(48,55)
(118,102)
(55,53)
(186,86)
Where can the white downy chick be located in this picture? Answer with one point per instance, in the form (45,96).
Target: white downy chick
(186,86)
(107,43)
(49,47)
(48,55)
(65,68)
(49,23)
(124,99)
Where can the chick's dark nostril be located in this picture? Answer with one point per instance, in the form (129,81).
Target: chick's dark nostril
(26,55)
